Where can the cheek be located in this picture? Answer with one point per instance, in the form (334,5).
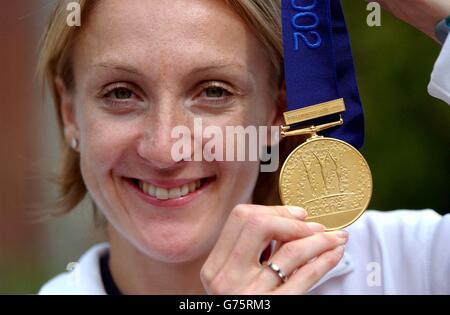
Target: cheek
(239,181)
(238,178)
(104,140)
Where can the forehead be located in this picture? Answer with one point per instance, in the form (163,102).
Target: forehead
(155,33)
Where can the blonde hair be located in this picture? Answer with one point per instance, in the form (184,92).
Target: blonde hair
(262,16)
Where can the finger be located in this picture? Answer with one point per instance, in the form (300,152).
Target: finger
(242,266)
(233,227)
(294,254)
(308,275)
(239,217)
(313,226)
(256,234)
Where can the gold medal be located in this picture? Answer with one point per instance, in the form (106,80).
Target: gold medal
(329,178)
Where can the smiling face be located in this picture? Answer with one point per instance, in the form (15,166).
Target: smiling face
(142,68)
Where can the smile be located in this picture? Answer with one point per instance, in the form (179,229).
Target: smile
(170,192)
(162,193)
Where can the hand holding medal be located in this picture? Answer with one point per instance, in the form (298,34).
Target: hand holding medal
(327,177)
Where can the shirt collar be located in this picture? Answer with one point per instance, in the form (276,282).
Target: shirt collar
(92,281)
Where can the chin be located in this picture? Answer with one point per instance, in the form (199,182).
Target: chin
(178,247)
(177,252)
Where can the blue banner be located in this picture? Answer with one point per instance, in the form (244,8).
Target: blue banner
(319,64)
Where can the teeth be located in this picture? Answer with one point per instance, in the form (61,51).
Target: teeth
(144,187)
(164,194)
(151,190)
(184,190)
(174,193)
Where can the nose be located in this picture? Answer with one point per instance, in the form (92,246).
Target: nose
(155,146)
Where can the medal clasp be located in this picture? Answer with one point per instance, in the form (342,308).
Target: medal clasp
(311,130)
(309,113)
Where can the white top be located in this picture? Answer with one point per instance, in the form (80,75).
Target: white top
(400,252)
(396,252)
(440,78)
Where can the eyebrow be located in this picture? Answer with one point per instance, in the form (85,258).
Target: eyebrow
(218,65)
(120,67)
(130,69)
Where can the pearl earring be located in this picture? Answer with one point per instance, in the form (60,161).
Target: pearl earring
(74,143)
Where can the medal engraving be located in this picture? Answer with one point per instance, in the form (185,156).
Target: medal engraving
(330,179)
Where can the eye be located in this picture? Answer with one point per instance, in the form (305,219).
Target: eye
(120,93)
(120,98)
(215,95)
(216,92)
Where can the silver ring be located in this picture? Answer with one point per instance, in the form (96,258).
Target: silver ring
(275,268)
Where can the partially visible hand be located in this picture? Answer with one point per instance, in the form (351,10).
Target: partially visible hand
(305,252)
(422,14)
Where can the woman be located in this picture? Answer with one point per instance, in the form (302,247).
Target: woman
(132,72)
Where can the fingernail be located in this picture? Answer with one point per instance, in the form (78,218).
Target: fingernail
(297,212)
(341,234)
(315,227)
(339,249)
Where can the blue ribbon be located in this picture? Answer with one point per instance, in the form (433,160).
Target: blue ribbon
(319,65)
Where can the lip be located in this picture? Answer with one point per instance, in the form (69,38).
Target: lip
(168,203)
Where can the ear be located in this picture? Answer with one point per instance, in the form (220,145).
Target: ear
(276,116)
(67,110)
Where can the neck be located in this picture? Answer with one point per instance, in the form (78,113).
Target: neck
(136,273)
